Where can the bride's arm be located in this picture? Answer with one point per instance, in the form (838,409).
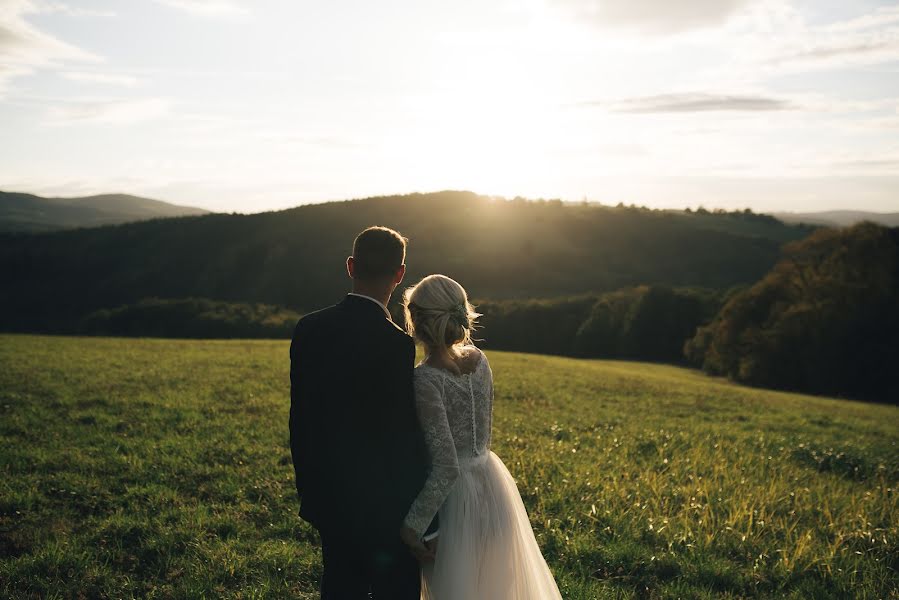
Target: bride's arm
(442,451)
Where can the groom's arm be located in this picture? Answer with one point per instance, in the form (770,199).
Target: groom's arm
(410,441)
(298,399)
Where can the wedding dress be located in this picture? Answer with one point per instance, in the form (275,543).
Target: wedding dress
(486,548)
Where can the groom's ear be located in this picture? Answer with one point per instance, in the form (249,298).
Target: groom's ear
(400,273)
(350,267)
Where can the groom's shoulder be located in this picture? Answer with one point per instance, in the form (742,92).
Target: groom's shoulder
(389,331)
(332,316)
(315,319)
(403,339)
(397,330)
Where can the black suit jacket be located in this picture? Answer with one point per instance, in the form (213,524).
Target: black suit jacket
(358,452)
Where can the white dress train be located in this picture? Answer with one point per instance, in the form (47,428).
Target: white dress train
(486,547)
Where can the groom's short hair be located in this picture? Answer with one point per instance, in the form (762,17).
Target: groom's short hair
(378,252)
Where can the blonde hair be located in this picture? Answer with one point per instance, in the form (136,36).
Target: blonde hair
(438,313)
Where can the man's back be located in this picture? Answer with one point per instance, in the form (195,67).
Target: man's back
(357,448)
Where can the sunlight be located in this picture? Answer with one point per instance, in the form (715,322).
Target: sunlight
(493,116)
(255,106)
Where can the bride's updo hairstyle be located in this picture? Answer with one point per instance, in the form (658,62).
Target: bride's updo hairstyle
(438,313)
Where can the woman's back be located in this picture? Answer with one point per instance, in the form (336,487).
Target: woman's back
(467,399)
(487,548)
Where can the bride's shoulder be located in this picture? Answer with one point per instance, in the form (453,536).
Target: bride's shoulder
(471,348)
(469,360)
(424,370)
(473,356)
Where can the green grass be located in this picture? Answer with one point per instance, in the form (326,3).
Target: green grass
(160,469)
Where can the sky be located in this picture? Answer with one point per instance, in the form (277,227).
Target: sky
(252,105)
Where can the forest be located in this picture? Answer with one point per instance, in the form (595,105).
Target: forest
(735,293)
(824,320)
(499,249)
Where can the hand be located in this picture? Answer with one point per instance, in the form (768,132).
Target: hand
(416,546)
(431,545)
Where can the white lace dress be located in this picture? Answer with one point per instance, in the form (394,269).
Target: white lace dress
(487,548)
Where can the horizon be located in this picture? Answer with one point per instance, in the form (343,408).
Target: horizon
(696,208)
(774,105)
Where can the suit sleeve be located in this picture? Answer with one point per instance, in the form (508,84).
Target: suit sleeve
(298,407)
(411,440)
(414,447)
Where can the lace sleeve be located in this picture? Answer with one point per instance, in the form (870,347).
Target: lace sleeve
(442,451)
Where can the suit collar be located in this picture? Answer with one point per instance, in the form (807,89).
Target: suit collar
(375,300)
(367,303)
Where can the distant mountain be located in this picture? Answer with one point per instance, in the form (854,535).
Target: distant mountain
(27,212)
(839,218)
(295,258)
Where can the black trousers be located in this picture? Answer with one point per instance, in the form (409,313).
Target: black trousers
(355,569)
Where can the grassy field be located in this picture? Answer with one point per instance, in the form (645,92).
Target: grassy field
(161,469)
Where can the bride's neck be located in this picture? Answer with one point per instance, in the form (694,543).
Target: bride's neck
(446,356)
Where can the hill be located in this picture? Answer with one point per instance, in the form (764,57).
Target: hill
(161,469)
(294,258)
(839,218)
(27,212)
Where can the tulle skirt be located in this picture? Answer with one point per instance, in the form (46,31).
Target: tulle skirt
(486,548)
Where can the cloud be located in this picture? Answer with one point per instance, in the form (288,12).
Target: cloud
(65,9)
(790,43)
(883,16)
(296,139)
(842,52)
(207,8)
(102,78)
(107,111)
(651,16)
(880,165)
(24,48)
(695,102)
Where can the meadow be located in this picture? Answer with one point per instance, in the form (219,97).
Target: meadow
(148,468)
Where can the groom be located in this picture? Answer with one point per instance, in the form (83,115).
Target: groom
(358,452)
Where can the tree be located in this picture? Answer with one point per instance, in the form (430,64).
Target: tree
(824,320)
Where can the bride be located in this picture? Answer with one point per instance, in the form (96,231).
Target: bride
(487,548)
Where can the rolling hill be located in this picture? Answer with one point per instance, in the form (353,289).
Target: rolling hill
(839,218)
(294,258)
(27,212)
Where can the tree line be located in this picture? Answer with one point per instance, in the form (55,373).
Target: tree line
(646,322)
(639,323)
(191,318)
(824,320)
(501,249)
(820,314)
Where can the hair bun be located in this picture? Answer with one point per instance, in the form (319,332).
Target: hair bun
(438,313)
(459,315)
